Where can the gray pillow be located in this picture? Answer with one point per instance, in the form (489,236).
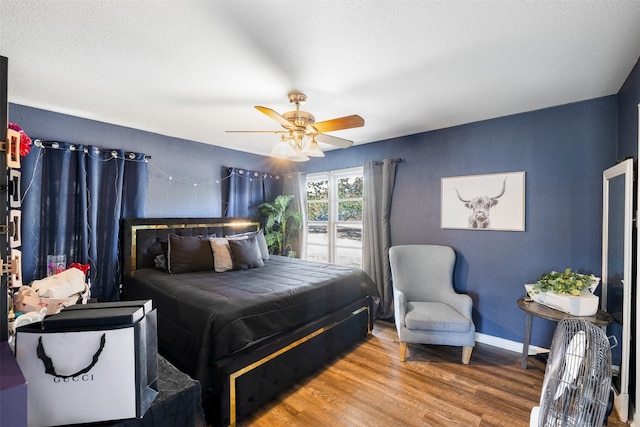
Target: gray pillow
(262,242)
(246,253)
(189,253)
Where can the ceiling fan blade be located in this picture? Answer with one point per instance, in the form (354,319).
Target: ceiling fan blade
(333,140)
(275,116)
(255,131)
(346,122)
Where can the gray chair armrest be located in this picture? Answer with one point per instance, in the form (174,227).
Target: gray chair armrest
(400,308)
(461,302)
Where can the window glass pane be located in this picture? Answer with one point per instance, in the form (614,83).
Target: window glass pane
(334,212)
(317,235)
(349,256)
(350,236)
(350,187)
(318,190)
(317,253)
(350,211)
(317,243)
(318,211)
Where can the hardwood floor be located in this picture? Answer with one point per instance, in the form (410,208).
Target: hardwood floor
(369,386)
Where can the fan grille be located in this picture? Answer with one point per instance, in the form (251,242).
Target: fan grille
(577,381)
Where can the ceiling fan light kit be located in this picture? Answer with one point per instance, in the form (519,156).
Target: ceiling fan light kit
(301,134)
(312,149)
(284,150)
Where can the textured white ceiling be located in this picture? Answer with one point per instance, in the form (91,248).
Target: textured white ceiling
(193,69)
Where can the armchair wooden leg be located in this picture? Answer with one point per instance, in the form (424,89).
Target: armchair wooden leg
(466,354)
(403,351)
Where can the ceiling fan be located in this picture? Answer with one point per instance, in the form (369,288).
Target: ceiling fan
(301,134)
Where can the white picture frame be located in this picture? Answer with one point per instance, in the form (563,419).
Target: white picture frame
(484,202)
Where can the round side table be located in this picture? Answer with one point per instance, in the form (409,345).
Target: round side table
(532,308)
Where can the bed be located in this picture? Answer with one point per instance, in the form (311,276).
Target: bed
(248,333)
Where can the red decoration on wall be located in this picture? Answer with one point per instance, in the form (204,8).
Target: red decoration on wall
(25,141)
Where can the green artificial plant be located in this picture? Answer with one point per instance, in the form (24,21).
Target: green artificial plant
(568,282)
(283,223)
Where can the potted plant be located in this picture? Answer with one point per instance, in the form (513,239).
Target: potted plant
(568,291)
(283,223)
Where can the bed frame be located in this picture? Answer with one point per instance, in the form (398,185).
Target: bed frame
(240,383)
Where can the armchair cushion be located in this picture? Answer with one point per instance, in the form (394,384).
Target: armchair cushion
(435,316)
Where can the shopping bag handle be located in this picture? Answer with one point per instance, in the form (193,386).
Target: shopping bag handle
(51,370)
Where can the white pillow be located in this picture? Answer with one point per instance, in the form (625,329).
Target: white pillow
(222,260)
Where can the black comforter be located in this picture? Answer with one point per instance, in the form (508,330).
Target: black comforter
(206,316)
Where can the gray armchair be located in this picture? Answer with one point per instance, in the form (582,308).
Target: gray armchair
(427,309)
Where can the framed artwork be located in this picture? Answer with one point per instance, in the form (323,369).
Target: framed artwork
(484,202)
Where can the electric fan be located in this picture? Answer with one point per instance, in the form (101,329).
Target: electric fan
(577,380)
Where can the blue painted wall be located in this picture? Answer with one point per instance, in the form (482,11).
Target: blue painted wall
(563,151)
(628,100)
(186,162)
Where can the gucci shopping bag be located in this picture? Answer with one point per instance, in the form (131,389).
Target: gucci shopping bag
(86,365)
(148,345)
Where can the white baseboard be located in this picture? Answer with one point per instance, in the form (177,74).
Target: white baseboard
(508,344)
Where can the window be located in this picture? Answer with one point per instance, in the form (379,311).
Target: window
(334,215)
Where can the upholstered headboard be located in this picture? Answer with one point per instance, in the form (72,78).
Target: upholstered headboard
(143,237)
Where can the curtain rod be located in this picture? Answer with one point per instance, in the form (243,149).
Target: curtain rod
(250,173)
(398,160)
(56,144)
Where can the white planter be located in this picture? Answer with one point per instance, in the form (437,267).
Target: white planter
(585,304)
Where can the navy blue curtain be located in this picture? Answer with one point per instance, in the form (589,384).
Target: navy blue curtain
(246,190)
(74,198)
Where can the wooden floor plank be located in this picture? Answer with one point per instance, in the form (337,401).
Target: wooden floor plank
(368,386)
